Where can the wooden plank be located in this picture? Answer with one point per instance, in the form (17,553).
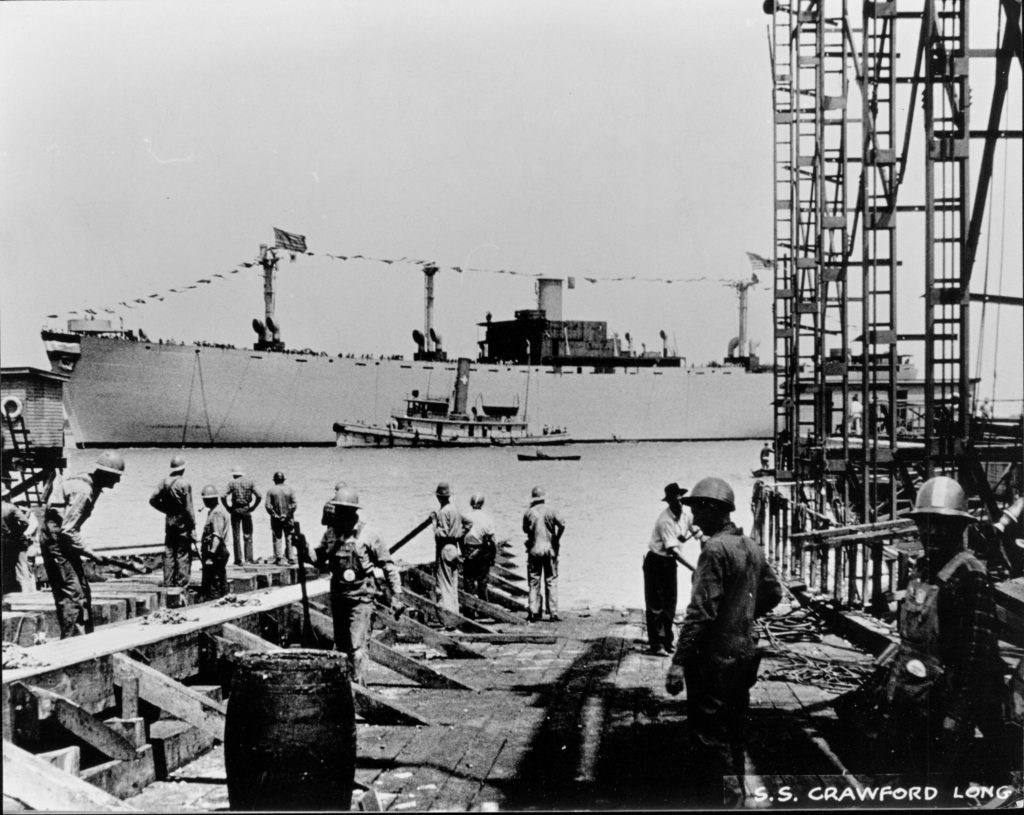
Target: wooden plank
(248,640)
(67,759)
(503,637)
(451,646)
(83,724)
(508,587)
(39,785)
(378,710)
(177,699)
(129,697)
(507,574)
(407,666)
(425,583)
(447,618)
(124,778)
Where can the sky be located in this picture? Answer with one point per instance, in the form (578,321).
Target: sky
(147,145)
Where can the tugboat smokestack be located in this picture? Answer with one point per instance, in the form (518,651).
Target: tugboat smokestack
(428,305)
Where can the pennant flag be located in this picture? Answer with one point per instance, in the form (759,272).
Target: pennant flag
(110,311)
(389,262)
(140,301)
(90,311)
(72,312)
(457,269)
(157,294)
(590,279)
(758,263)
(218,274)
(202,280)
(289,241)
(52,316)
(246,265)
(234,271)
(572,282)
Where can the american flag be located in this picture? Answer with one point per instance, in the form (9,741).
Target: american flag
(758,263)
(289,241)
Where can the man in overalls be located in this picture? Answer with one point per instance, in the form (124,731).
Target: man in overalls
(449,530)
(214,549)
(350,550)
(173,497)
(68,504)
(946,679)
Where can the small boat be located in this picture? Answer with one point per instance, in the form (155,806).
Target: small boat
(539,456)
(763,472)
(440,421)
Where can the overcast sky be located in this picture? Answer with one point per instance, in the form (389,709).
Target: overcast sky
(146,145)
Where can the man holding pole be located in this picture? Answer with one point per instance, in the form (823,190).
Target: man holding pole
(660,585)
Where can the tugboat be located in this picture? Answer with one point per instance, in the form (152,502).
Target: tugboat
(430,421)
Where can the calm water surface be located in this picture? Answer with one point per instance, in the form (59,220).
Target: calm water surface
(609,499)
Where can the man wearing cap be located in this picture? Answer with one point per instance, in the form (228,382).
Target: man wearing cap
(543,526)
(716,654)
(173,497)
(947,677)
(449,530)
(68,503)
(350,550)
(214,548)
(241,497)
(18,527)
(478,548)
(281,506)
(660,586)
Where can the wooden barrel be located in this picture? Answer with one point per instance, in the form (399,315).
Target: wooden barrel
(290,734)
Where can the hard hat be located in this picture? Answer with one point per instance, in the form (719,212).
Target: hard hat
(476,500)
(110,462)
(278,477)
(210,491)
(443,489)
(537,494)
(177,464)
(345,497)
(339,485)
(941,496)
(711,489)
(237,470)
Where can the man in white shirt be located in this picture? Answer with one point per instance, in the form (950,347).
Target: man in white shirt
(660,587)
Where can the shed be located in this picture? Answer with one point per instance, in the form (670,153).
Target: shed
(37,397)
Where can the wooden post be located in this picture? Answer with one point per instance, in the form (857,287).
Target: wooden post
(130,698)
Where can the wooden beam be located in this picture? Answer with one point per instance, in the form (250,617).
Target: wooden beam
(130,697)
(83,724)
(418,576)
(426,583)
(413,669)
(507,574)
(508,586)
(447,618)
(37,784)
(177,699)
(249,641)
(378,710)
(451,646)
(509,637)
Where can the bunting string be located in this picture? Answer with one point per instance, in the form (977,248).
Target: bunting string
(295,245)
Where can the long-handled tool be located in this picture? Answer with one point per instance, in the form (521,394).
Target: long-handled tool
(310,638)
(396,546)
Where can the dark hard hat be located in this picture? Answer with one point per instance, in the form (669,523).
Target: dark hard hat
(711,489)
(345,497)
(673,490)
(278,477)
(476,500)
(110,462)
(444,490)
(177,464)
(941,496)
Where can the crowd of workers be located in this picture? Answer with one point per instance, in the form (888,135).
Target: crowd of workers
(942,685)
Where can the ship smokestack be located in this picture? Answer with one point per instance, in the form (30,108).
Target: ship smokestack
(629,344)
(664,343)
(461,395)
(549,298)
(428,304)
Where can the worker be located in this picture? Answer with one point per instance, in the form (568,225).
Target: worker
(18,530)
(328,511)
(671,530)
(947,676)
(766,455)
(479,548)
(281,506)
(240,498)
(214,548)
(350,550)
(856,414)
(716,656)
(543,526)
(68,503)
(449,530)
(173,497)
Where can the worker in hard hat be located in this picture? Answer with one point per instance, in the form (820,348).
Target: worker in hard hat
(946,680)
(544,526)
(214,547)
(241,497)
(479,548)
(281,506)
(173,497)
(661,587)
(19,527)
(350,550)
(327,514)
(68,503)
(449,530)
(716,653)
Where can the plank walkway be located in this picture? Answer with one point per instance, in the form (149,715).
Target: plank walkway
(581,722)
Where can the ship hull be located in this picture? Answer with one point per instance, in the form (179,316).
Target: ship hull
(128,393)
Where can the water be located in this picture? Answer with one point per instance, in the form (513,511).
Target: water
(609,499)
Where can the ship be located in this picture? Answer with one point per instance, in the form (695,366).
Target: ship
(124,390)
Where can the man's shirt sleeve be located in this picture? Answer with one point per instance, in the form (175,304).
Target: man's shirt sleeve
(705,599)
